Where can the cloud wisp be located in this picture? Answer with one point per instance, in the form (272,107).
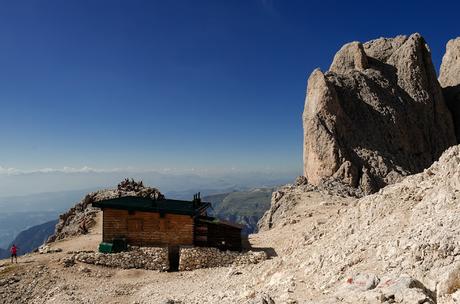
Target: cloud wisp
(10,171)
(84,169)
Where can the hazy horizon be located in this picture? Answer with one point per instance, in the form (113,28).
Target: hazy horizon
(36,182)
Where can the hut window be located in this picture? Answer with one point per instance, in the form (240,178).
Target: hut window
(132,212)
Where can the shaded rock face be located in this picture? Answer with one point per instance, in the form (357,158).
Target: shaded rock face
(449,78)
(376,116)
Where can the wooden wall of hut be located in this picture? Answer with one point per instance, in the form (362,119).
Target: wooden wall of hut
(147,228)
(219,235)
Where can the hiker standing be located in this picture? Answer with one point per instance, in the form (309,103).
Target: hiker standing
(14,253)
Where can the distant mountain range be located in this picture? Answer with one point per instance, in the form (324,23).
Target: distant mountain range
(30,239)
(243,207)
(18,213)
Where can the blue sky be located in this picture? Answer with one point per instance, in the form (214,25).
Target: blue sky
(178,85)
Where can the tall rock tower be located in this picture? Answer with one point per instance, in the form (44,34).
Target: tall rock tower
(377,115)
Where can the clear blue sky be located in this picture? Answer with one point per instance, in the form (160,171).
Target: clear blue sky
(178,84)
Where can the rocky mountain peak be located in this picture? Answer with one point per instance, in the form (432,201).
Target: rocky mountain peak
(377,115)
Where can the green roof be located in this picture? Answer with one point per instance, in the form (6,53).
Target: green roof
(135,203)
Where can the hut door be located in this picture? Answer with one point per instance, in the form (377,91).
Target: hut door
(173,252)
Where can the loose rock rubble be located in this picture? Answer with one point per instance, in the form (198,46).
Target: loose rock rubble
(25,285)
(286,198)
(149,258)
(45,249)
(368,288)
(203,257)
(407,233)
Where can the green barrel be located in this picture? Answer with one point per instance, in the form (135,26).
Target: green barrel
(106,247)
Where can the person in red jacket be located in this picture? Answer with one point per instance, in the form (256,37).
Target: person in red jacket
(14,253)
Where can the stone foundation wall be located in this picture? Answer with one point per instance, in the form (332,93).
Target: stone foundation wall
(156,258)
(205,257)
(150,258)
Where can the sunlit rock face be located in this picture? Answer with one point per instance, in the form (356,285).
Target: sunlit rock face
(449,78)
(377,115)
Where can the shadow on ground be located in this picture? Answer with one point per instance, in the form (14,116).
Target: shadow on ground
(248,247)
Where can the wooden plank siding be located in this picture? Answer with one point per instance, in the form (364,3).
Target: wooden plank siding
(224,237)
(147,228)
(219,235)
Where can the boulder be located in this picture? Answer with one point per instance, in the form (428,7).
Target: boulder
(376,116)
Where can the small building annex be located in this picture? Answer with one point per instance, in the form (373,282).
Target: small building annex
(167,223)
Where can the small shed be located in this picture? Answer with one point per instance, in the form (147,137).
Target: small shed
(165,222)
(213,232)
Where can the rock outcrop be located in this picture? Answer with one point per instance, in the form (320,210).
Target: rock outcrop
(81,217)
(377,115)
(449,78)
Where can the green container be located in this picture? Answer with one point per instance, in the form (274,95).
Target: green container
(105,247)
(117,245)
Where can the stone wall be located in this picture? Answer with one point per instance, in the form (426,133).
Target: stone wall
(150,258)
(205,257)
(156,258)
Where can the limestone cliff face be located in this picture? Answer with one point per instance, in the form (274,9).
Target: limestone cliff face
(377,115)
(449,78)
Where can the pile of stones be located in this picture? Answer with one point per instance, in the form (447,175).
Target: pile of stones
(204,257)
(138,189)
(150,258)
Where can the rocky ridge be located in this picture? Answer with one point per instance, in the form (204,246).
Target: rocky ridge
(376,116)
(81,217)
